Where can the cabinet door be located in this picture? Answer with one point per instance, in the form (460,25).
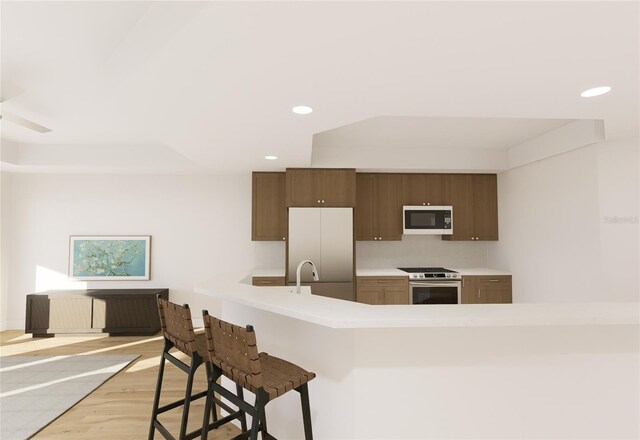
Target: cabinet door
(304,187)
(369,295)
(388,207)
(437,189)
(461,197)
(339,188)
(493,295)
(59,314)
(414,189)
(364,211)
(485,207)
(269,209)
(125,315)
(493,289)
(425,189)
(468,290)
(395,295)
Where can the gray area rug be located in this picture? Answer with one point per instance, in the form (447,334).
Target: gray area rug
(36,390)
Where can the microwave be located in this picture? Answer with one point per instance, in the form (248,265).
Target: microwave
(422,220)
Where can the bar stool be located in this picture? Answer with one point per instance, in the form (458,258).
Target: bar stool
(177,329)
(233,353)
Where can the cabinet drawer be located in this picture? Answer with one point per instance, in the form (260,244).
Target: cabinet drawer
(268,281)
(493,281)
(383,281)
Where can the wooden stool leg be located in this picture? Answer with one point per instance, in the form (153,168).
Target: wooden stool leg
(212,403)
(187,399)
(207,407)
(306,411)
(243,416)
(156,399)
(255,421)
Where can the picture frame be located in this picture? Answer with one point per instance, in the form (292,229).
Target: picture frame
(110,257)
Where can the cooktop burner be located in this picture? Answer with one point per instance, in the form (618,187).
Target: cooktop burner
(426,269)
(430,272)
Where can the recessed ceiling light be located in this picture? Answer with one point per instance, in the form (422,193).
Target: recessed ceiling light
(596,91)
(271,157)
(302,109)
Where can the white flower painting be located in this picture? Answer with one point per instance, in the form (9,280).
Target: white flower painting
(109,257)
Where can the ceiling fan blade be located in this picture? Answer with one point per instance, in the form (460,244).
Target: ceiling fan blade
(9,90)
(10,117)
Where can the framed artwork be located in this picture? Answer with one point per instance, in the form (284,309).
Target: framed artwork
(109,257)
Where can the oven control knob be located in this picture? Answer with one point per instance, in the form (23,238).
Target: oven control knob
(421,275)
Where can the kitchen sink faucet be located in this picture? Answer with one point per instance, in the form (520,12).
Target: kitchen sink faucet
(314,272)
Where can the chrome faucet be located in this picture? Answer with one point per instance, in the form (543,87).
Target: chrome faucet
(314,272)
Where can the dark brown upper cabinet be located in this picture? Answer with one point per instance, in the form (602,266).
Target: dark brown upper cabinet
(321,187)
(378,213)
(269,209)
(425,189)
(474,198)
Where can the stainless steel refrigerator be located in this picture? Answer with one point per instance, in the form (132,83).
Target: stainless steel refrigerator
(324,236)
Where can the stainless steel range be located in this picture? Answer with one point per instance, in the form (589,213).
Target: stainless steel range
(433,285)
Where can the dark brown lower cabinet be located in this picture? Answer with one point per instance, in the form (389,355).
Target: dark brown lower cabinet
(486,289)
(114,311)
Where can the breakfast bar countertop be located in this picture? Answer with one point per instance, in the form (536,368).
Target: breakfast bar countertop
(335,313)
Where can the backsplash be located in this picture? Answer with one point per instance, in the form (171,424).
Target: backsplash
(269,254)
(413,250)
(420,250)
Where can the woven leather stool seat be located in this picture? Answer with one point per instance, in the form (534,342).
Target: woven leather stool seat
(233,352)
(280,376)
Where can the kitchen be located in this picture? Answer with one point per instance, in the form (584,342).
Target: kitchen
(182,121)
(378,207)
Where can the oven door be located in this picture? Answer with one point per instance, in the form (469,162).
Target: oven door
(435,292)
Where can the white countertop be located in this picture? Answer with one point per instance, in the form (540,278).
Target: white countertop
(267,272)
(387,272)
(479,271)
(346,314)
(391,271)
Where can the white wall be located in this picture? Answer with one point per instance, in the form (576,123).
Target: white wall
(5,203)
(200,227)
(569,226)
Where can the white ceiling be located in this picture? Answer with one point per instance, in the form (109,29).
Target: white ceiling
(214,81)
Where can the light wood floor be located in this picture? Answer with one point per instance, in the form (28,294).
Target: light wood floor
(121,407)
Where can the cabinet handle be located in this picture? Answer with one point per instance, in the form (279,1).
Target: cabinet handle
(478,293)
(284,238)
(323,201)
(494,281)
(477,238)
(318,201)
(375,238)
(462,281)
(379,238)
(423,204)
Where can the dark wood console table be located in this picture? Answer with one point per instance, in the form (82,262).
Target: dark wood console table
(115,311)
